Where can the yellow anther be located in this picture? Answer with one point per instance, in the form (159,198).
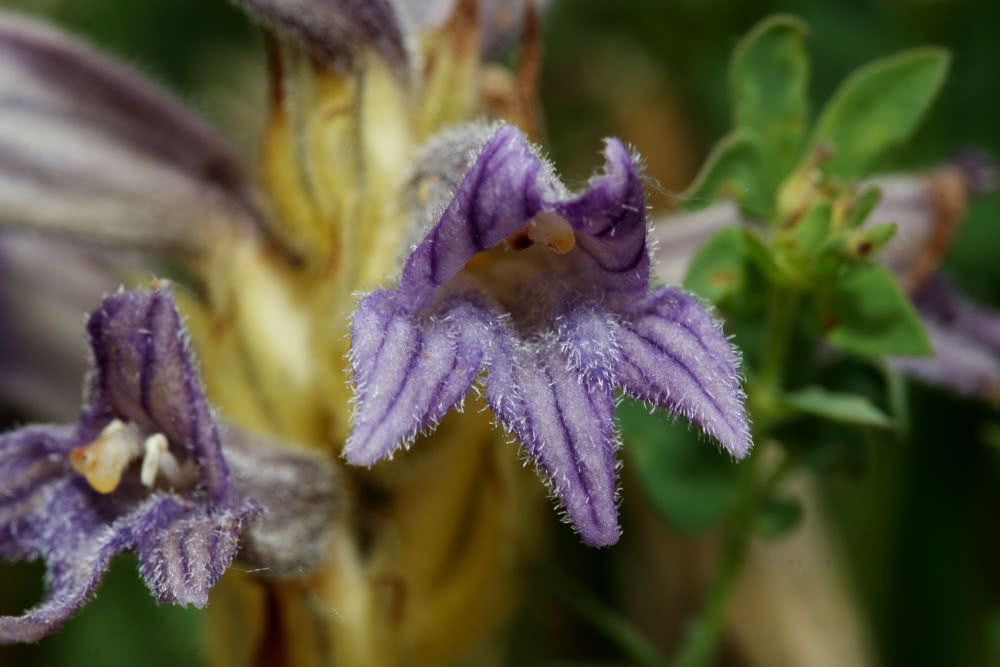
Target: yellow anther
(547,228)
(103,460)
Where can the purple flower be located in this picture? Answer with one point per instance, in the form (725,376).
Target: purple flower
(966,341)
(542,297)
(141,469)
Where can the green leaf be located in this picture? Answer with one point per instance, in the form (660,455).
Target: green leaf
(837,406)
(863,205)
(768,81)
(736,169)
(814,227)
(687,480)
(778,516)
(871,240)
(731,269)
(877,108)
(872,317)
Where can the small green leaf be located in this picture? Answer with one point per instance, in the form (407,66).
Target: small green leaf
(872,317)
(837,406)
(871,240)
(731,268)
(688,481)
(778,516)
(814,227)
(768,81)
(737,170)
(863,205)
(877,108)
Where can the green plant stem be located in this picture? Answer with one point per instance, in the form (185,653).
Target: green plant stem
(611,624)
(703,637)
(783,307)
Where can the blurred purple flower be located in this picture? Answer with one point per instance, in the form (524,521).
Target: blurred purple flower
(547,292)
(966,341)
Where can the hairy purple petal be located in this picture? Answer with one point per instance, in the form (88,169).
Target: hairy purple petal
(568,430)
(674,355)
(58,521)
(408,373)
(90,149)
(145,374)
(336,31)
(183,550)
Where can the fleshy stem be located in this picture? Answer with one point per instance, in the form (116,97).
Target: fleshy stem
(703,637)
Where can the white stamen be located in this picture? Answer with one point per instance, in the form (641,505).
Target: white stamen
(156,447)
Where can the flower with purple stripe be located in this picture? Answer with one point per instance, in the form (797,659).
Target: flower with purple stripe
(541,296)
(141,469)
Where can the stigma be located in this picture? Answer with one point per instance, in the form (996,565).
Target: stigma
(546,228)
(103,462)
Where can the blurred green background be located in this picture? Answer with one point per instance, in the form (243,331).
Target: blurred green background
(917,517)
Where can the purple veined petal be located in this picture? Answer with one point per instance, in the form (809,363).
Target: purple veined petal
(408,373)
(439,168)
(77,545)
(49,511)
(31,460)
(611,214)
(145,374)
(182,550)
(91,150)
(567,428)
(506,186)
(674,355)
(336,31)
